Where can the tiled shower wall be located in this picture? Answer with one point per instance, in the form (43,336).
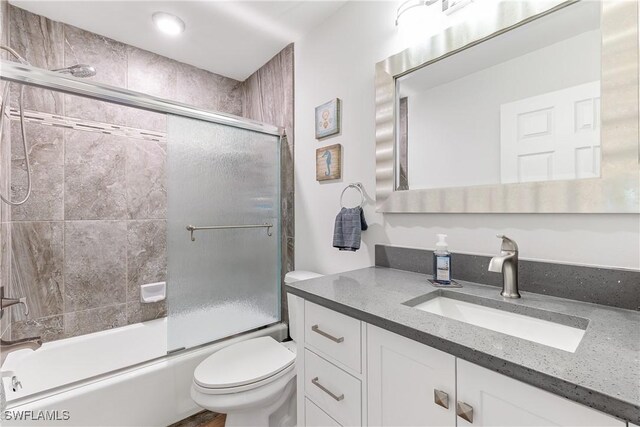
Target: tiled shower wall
(5,165)
(95,227)
(268,97)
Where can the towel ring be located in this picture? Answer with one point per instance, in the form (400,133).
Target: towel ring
(357,186)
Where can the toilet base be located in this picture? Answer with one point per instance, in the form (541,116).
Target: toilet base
(272,405)
(281,413)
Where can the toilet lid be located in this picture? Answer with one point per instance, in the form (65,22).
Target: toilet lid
(243,363)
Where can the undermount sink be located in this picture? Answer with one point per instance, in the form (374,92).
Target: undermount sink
(564,336)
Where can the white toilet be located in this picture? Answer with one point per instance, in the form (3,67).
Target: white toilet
(253,381)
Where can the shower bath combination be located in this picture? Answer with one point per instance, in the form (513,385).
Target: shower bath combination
(78,70)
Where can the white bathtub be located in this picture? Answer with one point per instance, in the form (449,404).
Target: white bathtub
(93,379)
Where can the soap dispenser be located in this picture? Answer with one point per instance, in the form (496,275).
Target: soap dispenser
(442,261)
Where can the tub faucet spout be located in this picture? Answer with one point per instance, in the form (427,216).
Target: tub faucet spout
(507,264)
(6,347)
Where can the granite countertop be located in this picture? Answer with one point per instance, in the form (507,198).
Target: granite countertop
(603,373)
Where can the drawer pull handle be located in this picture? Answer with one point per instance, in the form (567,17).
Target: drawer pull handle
(441,398)
(316,383)
(465,411)
(316,329)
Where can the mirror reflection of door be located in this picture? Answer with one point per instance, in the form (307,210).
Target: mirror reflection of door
(520,107)
(551,136)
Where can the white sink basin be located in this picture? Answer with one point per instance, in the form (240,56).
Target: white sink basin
(552,334)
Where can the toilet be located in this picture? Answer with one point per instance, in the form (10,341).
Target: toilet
(253,381)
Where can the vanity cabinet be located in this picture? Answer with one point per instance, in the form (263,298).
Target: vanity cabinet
(498,400)
(354,373)
(409,384)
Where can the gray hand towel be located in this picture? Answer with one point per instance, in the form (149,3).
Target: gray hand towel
(348,229)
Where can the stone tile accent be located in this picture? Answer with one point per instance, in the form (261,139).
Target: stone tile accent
(37,268)
(95,320)
(46,158)
(47,328)
(146,179)
(207,90)
(95,264)
(146,255)
(95,176)
(109,57)
(137,312)
(273,84)
(40,41)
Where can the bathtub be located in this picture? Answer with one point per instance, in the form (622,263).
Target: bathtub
(120,377)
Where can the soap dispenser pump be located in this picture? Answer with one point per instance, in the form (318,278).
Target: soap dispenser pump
(442,261)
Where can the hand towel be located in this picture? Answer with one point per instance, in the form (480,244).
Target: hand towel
(347,233)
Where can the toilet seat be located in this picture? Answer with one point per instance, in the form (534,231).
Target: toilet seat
(243,366)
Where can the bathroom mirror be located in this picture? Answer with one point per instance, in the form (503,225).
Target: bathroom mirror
(529,107)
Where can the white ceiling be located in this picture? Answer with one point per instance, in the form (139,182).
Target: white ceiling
(232,38)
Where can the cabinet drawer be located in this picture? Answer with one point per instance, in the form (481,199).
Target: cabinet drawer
(316,417)
(334,334)
(332,389)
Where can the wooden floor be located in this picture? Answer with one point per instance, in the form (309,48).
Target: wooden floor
(202,419)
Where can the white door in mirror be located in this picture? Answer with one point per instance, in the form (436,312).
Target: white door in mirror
(553,136)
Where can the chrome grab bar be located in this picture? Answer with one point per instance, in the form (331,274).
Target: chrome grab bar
(316,383)
(192,228)
(316,329)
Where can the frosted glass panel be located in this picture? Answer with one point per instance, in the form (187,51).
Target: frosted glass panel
(226,281)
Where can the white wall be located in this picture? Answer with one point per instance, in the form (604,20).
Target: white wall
(337,60)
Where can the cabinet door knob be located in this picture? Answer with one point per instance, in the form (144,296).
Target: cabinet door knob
(465,411)
(316,383)
(316,329)
(441,398)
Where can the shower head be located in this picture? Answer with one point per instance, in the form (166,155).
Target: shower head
(78,70)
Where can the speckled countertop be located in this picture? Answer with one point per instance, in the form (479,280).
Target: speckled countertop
(603,373)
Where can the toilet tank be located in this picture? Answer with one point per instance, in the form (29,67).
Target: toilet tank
(290,277)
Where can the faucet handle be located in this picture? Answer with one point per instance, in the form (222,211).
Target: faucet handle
(8,302)
(507,243)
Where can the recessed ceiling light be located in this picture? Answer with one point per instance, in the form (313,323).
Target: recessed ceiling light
(168,23)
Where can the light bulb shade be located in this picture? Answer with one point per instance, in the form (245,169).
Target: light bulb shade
(410,4)
(168,23)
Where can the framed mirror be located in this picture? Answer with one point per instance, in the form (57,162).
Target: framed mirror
(532,110)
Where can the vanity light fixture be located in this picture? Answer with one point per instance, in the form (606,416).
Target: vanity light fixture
(168,23)
(410,4)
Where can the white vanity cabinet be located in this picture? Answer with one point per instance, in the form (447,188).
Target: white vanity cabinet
(498,400)
(409,384)
(353,373)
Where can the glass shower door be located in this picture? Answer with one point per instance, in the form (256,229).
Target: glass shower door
(223,281)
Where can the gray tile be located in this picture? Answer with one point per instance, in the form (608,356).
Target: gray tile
(146,255)
(109,58)
(95,176)
(5,175)
(94,264)
(5,270)
(151,74)
(40,41)
(94,320)
(37,267)
(47,328)
(208,90)
(161,83)
(46,158)
(138,312)
(146,177)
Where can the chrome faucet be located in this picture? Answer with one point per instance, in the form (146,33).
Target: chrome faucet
(507,264)
(6,347)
